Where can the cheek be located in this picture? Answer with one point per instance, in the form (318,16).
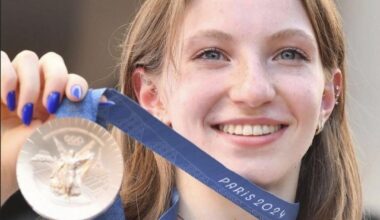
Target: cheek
(190,103)
(302,94)
(303,99)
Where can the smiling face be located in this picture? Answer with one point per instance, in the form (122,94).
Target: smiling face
(248,87)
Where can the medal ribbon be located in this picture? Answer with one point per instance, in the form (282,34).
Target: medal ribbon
(128,116)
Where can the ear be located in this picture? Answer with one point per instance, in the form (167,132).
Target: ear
(147,94)
(145,90)
(331,93)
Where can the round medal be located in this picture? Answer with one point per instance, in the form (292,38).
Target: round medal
(70,168)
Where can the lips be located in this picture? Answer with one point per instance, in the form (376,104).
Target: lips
(251,132)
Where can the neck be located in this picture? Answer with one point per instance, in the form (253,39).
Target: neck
(198,201)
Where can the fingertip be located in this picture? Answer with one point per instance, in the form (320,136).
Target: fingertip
(53,101)
(27,114)
(76,91)
(77,88)
(11,101)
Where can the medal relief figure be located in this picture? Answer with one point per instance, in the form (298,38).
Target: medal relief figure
(68,169)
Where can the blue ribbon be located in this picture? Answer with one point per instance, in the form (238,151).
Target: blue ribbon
(128,116)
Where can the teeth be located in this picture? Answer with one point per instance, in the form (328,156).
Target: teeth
(230,129)
(266,129)
(248,130)
(238,129)
(257,130)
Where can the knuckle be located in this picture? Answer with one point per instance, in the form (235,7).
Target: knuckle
(51,56)
(3,55)
(27,55)
(7,73)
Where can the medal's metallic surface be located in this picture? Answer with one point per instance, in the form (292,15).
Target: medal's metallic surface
(70,168)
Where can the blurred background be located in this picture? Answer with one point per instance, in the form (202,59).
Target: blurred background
(87,34)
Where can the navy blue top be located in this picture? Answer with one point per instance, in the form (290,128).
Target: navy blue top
(116,211)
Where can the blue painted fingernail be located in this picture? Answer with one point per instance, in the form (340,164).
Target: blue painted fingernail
(11,100)
(53,102)
(76,91)
(27,113)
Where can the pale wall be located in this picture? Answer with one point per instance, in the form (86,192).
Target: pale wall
(362,26)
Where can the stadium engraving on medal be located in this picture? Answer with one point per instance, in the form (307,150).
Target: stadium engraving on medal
(70,168)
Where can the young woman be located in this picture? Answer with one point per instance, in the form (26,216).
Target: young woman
(258,85)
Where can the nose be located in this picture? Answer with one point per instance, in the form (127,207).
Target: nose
(252,86)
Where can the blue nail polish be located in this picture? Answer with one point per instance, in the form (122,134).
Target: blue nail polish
(53,102)
(11,100)
(27,113)
(76,91)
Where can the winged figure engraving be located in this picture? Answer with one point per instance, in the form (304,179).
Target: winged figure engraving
(66,172)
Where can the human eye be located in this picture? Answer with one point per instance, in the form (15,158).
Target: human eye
(211,54)
(291,55)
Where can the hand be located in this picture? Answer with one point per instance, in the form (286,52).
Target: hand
(31,92)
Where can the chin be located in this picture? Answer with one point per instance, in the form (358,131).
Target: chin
(264,175)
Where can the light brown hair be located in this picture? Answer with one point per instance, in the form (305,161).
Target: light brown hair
(329,185)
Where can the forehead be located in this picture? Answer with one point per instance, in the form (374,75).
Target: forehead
(246,19)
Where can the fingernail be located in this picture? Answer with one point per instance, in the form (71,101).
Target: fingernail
(11,100)
(27,113)
(76,91)
(53,102)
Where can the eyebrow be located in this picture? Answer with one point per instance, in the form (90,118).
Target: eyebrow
(214,34)
(223,36)
(288,33)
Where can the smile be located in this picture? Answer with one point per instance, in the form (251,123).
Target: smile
(249,130)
